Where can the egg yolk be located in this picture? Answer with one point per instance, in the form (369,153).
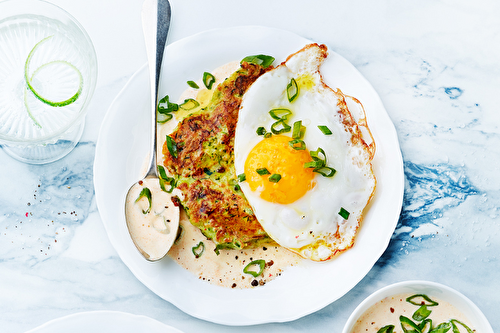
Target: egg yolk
(276,155)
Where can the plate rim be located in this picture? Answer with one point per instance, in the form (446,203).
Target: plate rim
(108,313)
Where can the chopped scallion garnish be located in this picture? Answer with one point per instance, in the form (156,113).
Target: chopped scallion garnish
(163,118)
(315,154)
(298,130)
(386,329)
(189,104)
(297,144)
(198,250)
(164,179)
(455,328)
(262,60)
(344,213)
(208,80)
(180,233)
(319,163)
(193,85)
(249,268)
(325,130)
(165,108)
(408,325)
(145,193)
(261,131)
(425,326)
(172,147)
(262,171)
(314,164)
(242,177)
(442,328)
(421,313)
(292,90)
(421,299)
(280,114)
(280,127)
(325,171)
(275,177)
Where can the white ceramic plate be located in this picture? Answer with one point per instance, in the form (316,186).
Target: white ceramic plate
(104,322)
(122,149)
(432,289)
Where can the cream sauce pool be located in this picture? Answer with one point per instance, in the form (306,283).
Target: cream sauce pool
(388,310)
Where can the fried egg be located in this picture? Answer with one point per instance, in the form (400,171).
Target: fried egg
(300,205)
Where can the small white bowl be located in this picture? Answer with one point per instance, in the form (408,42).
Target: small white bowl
(447,294)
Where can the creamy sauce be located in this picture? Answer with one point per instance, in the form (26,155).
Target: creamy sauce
(388,310)
(153,233)
(225,269)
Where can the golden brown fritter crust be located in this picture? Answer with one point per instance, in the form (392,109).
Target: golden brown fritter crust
(204,167)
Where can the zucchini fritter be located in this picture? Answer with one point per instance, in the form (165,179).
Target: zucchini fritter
(204,167)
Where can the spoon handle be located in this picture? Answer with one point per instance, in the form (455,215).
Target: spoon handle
(155,25)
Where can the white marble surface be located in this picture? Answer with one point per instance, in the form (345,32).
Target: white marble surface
(436,66)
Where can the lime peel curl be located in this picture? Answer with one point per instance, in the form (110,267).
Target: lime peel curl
(29,80)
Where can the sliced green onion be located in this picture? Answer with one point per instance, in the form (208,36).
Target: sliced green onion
(249,268)
(262,171)
(163,118)
(242,177)
(314,164)
(261,131)
(325,130)
(262,60)
(298,130)
(189,104)
(180,233)
(268,135)
(198,250)
(386,329)
(285,128)
(421,313)
(193,85)
(292,90)
(29,80)
(164,179)
(208,80)
(425,326)
(280,113)
(441,328)
(455,328)
(408,325)
(424,300)
(172,147)
(319,163)
(275,177)
(145,193)
(297,144)
(325,171)
(315,155)
(344,213)
(165,107)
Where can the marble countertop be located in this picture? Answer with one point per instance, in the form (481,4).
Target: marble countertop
(436,67)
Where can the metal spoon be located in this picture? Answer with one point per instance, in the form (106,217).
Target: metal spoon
(156,23)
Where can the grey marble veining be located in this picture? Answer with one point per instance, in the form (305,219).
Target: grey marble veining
(436,67)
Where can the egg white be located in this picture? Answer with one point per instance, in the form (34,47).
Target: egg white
(310,226)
